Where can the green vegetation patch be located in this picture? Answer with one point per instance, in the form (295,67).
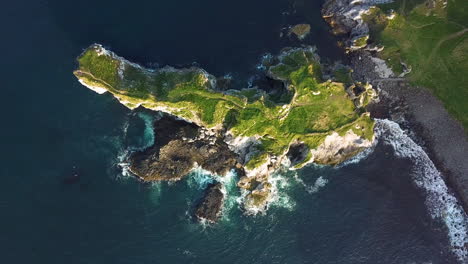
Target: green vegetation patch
(433,40)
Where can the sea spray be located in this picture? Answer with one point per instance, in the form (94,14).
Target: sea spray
(231,193)
(199,179)
(440,202)
(278,198)
(280,185)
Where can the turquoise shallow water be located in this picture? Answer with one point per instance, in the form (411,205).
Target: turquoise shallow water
(369,212)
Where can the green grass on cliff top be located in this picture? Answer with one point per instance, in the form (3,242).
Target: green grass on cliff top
(433,40)
(316,109)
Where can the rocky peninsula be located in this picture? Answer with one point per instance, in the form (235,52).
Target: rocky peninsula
(254,131)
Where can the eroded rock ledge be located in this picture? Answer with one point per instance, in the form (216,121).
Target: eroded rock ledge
(179,147)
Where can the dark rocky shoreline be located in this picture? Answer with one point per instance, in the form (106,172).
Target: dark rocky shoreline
(425,119)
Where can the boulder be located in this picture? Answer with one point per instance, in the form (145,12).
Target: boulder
(209,209)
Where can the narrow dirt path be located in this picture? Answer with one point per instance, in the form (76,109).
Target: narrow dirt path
(440,42)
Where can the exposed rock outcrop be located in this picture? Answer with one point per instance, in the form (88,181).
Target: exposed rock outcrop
(300,30)
(180,146)
(209,209)
(336,149)
(345,18)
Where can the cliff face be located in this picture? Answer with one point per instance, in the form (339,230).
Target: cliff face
(250,130)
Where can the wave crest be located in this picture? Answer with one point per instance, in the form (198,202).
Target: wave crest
(440,202)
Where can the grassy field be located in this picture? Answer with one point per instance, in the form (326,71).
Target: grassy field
(432,38)
(316,109)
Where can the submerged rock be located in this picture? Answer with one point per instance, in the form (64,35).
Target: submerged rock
(210,207)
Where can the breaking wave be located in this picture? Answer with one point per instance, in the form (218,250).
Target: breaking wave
(280,198)
(440,202)
(280,183)
(362,155)
(199,179)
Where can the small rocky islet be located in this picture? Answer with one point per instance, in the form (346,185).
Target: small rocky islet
(255,131)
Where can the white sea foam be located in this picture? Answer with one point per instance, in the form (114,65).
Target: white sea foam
(200,178)
(123,164)
(440,202)
(320,182)
(280,184)
(278,195)
(122,154)
(381,68)
(231,193)
(360,156)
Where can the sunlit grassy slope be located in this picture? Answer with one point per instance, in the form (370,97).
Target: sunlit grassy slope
(432,38)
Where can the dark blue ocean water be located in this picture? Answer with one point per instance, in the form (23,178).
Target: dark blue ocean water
(369,212)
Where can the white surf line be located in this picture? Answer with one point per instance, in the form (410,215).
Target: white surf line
(440,202)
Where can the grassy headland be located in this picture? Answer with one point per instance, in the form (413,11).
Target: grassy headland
(316,109)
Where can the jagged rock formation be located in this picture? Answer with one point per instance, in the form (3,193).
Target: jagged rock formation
(210,207)
(300,30)
(345,18)
(178,148)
